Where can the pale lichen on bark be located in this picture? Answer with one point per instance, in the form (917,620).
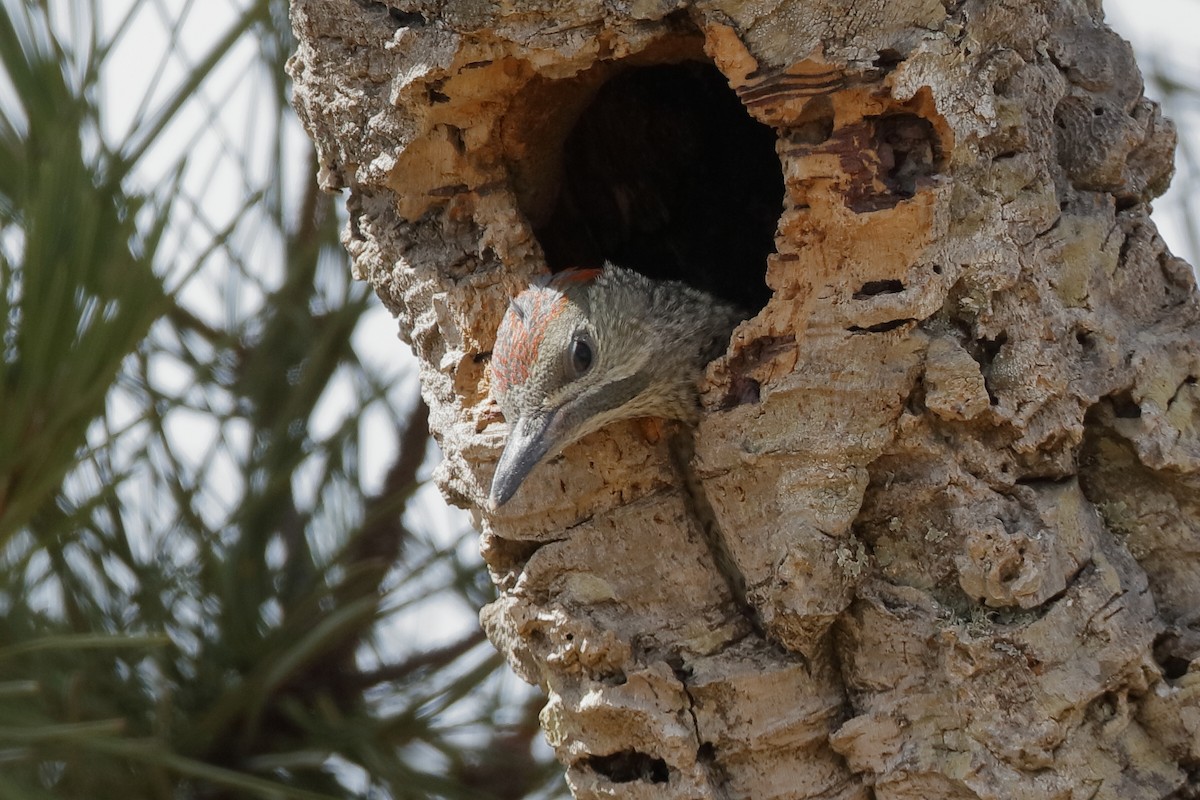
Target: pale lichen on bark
(955,459)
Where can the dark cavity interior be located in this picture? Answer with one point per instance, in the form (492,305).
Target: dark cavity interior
(665,173)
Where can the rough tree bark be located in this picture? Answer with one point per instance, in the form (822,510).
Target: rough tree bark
(940,533)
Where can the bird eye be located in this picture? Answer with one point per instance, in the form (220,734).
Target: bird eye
(581,356)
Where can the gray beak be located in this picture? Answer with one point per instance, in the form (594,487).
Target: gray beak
(528,442)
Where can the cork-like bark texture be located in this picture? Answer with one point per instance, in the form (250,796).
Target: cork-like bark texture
(939,533)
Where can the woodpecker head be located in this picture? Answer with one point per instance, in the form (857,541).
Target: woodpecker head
(588,347)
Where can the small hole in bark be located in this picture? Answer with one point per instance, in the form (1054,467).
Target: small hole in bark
(811,132)
(937,269)
(666,173)
(1106,705)
(815,124)
(679,667)
(616,678)
(628,766)
(986,349)
(909,148)
(435,93)
(915,403)
(407,19)
(881,327)
(888,159)
(707,753)
(510,555)
(1172,655)
(743,389)
(1125,407)
(888,59)
(872,288)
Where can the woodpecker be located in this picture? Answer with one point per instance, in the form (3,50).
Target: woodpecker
(587,347)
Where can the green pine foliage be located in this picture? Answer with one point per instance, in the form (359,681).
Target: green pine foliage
(197,598)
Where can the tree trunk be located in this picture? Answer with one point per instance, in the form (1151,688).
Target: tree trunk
(938,532)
